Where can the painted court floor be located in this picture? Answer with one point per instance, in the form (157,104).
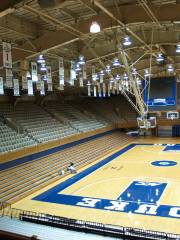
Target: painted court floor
(135,186)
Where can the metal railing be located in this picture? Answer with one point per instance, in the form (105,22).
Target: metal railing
(85,226)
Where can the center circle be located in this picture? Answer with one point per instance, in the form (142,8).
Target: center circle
(164,163)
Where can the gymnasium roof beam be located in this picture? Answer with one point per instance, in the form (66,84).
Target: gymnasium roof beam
(90,5)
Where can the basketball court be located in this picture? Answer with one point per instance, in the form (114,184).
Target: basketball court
(135,186)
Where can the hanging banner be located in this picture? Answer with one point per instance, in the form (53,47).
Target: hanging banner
(61,73)
(104,90)
(9,78)
(42,91)
(1,86)
(34,72)
(113,88)
(117,88)
(89,89)
(95,91)
(84,74)
(24,83)
(109,90)
(99,90)
(7,58)
(72,73)
(38,85)
(101,78)
(30,88)
(93,73)
(16,86)
(49,78)
(81,79)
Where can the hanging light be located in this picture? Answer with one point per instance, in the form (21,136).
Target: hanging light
(28,75)
(108,68)
(138,80)
(81,60)
(101,73)
(95,27)
(116,62)
(41,59)
(112,80)
(125,76)
(160,57)
(117,77)
(77,69)
(178,48)
(170,68)
(88,83)
(134,71)
(43,67)
(44,78)
(127,41)
(147,73)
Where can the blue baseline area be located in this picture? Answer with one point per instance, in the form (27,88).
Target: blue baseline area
(146,192)
(45,153)
(175,148)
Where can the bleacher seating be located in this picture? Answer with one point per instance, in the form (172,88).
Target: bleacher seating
(36,122)
(10,140)
(77,119)
(22,179)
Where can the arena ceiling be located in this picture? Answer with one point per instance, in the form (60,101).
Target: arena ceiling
(61,28)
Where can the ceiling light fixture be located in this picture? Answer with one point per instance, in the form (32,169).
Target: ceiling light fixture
(127,41)
(41,59)
(95,27)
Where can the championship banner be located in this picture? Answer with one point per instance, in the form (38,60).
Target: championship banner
(93,73)
(89,89)
(72,73)
(101,77)
(34,71)
(9,76)
(117,88)
(109,90)
(99,90)
(24,83)
(81,84)
(1,86)
(7,58)
(42,91)
(38,85)
(49,78)
(104,90)
(30,88)
(61,73)
(16,86)
(113,88)
(95,91)
(84,74)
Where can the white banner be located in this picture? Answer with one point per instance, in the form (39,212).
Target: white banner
(93,73)
(61,73)
(101,78)
(38,85)
(99,90)
(113,88)
(72,73)
(104,90)
(89,90)
(16,86)
(1,86)
(24,83)
(95,91)
(30,88)
(42,91)
(9,78)
(34,71)
(84,74)
(109,91)
(81,84)
(49,78)
(117,88)
(7,58)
